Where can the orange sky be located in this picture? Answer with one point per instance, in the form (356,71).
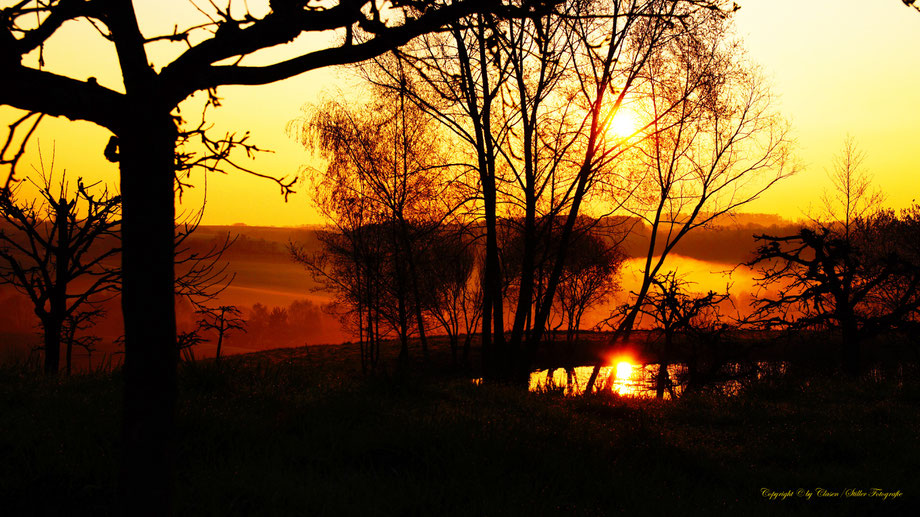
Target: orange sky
(838,67)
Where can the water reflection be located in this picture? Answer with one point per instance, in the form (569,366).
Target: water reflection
(634,380)
(624,379)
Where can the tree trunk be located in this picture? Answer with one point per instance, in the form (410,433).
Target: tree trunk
(52,341)
(493,338)
(59,292)
(147,158)
(69,356)
(622,333)
(220,340)
(467,346)
(402,312)
(527,278)
(416,292)
(664,380)
(361,338)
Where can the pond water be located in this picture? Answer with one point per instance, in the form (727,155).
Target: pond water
(638,380)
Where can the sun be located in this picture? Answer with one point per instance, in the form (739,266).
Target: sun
(623,125)
(624,370)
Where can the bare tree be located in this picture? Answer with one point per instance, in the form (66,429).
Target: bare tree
(186,343)
(223,320)
(858,285)
(89,343)
(142,118)
(848,270)
(674,311)
(60,250)
(57,230)
(388,154)
(531,98)
(714,144)
(852,196)
(351,265)
(73,334)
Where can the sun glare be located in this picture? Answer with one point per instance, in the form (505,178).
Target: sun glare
(624,370)
(623,125)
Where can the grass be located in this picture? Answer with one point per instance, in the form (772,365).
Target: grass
(288,434)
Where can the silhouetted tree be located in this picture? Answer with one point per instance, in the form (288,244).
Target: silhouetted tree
(386,154)
(351,265)
(714,145)
(186,342)
(454,296)
(674,311)
(853,269)
(223,320)
(89,344)
(72,334)
(858,285)
(532,99)
(60,250)
(590,278)
(143,119)
(852,196)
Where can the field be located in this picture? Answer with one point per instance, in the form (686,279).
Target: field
(302,432)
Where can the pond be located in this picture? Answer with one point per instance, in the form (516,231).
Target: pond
(638,380)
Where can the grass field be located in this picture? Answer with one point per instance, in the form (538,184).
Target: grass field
(301,432)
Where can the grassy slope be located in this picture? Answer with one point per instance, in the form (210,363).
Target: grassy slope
(282,434)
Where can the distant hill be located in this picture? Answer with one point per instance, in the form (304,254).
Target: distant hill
(729,239)
(287,309)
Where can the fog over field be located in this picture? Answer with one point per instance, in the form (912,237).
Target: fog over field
(266,274)
(285,308)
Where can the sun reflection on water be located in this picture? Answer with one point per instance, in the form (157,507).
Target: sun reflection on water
(623,378)
(628,378)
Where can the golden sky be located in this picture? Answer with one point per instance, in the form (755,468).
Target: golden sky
(838,68)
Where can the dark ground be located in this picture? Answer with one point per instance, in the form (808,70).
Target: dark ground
(301,432)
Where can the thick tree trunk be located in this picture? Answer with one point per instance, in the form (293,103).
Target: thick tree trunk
(68,356)
(52,343)
(147,150)
(493,337)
